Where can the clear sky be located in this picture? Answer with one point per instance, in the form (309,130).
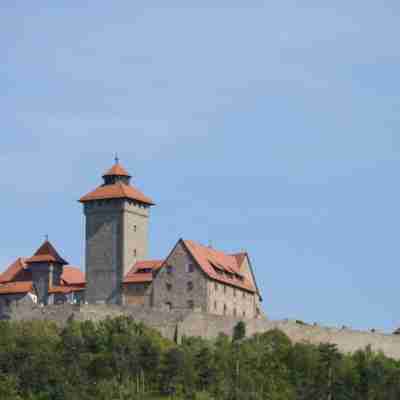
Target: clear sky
(267,126)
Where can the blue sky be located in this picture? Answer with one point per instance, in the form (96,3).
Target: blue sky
(266,126)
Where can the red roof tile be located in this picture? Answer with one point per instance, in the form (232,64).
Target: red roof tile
(135,276)
(211,260)
(10,273)
(16,288)
(117,191)
(142,277)
(65,289)
(240,258)
(72,276)
(117,170)
(46,253)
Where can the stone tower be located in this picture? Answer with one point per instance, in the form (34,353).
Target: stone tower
(46,266)
(117,217)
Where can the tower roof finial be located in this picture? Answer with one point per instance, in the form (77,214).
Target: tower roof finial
(116,158)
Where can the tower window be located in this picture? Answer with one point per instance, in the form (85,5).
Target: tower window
(189,286)
(169,287)
(189,267)
(190,304)
(134,228)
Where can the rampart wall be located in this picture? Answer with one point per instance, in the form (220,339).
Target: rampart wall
(178,323)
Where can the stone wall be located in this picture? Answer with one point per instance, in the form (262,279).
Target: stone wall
(135,221)
(179,323)
(175,285)
(103,255)
(116,237)
(227,300)
(137,294)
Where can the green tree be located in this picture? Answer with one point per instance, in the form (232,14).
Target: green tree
(239,331)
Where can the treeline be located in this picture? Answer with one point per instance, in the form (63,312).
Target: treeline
(120,359)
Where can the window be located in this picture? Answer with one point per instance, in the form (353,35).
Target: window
(216,286)
(234,312)
(189,286)
(134,228)
(225,309)
(135,252)
(215,305)
(189,267)
(169,269)
(168,306)
(234,292)
(225,289)
(169,287)
(244,295)
(244,313)
(190,304)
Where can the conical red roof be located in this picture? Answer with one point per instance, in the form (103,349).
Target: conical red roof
(116,170)
(46,253)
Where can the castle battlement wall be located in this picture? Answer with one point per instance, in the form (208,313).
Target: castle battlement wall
(178,323)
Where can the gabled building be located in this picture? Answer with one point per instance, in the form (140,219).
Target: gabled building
(198,277)
(45,278)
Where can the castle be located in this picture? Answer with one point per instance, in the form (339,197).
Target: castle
(192,276)
(195,291)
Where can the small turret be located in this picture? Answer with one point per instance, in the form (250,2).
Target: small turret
(46,266)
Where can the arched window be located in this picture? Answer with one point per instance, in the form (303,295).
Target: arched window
(189,286)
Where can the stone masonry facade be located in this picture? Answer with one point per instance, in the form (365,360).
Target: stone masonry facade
(116,237)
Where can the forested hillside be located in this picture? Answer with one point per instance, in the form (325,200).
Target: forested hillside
(120,359)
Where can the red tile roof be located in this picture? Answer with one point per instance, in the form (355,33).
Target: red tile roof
(12,271)
(65,289)
(46,253)
(117,170)
(16,287)
(211,261)
(73,276)
(240,258)
(117,191)
(136,276)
